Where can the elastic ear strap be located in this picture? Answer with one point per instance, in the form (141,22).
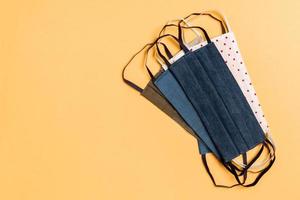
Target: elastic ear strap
(156,42)
(183,47)
(223,18)
(248,168)
(146,61)
(232,169)
(252,161)
(262,163)
(265,170)
(167,51)
(162,32)
(168,24)
(260,175)
(197,27)
(223,25)
(220,18)
(188,24)
(128,82)
(211,176)
(162,56)
(245,161)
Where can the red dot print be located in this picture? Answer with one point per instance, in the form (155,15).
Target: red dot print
(226,37)
(217,40)
(241,62)
(229,48)
(224,44)
(232,41)
(221,51)
(229,54)
(250,83)
(233,58)
(243,80)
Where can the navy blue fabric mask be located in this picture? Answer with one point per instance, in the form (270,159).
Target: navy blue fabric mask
(216,110)
(211,113)
(153,94)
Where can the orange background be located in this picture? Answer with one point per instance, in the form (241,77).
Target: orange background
(71,129)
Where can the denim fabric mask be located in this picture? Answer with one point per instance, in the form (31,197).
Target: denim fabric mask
(246,92)
(231,94)
(228,89)
(152,93)
(181,103)
(170,88)
(162,103)
(214,111)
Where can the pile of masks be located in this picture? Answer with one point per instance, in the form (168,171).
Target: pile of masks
(205,87)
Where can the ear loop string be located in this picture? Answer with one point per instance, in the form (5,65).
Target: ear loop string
(165,59)
(128,82)
(168,24)
(224,26)
(260,175)
(180,41)
(198,35)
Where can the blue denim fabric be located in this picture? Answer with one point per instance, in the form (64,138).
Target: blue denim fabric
(172,91)
(231,94)
(208,105)
(224,114)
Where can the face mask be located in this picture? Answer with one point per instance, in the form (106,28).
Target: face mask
(218,110)
(185,111)
(231,54)
(152,94)
(228,48)
(169,86)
